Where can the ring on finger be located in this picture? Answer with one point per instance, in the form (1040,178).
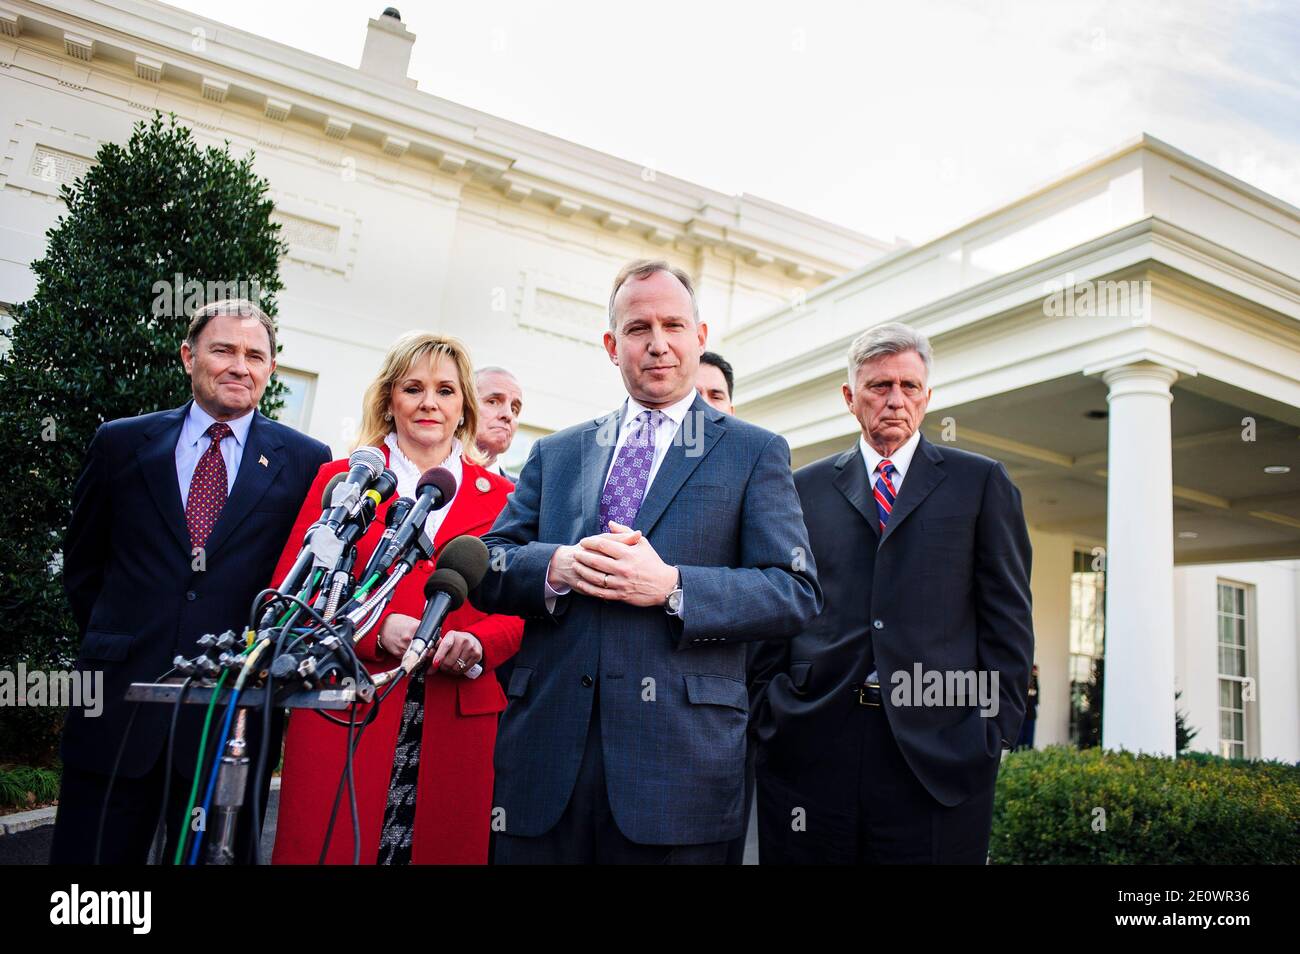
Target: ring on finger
(460,664)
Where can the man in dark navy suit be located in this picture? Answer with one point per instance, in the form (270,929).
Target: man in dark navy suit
(882,724)
(645,549)
(178,519)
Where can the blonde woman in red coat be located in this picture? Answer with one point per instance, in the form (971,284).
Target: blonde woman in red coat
(423,768)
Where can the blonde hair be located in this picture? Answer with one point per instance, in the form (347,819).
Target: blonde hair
(407,351)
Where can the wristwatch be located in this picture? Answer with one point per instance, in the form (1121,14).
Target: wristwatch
(673,602)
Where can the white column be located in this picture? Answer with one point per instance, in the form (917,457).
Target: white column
(1138,712)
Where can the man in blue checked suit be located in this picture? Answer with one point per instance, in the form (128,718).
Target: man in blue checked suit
(644,549)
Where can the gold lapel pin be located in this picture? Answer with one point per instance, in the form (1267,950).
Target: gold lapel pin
(263,461)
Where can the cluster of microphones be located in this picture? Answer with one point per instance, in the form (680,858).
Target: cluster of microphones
(325,604)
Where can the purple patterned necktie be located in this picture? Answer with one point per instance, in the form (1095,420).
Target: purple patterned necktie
(625,488)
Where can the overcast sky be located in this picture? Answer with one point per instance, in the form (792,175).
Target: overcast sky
(898,119)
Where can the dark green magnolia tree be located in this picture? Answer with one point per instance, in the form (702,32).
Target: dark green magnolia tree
(153,230)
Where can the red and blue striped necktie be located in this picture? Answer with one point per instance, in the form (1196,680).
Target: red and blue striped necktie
(885,492)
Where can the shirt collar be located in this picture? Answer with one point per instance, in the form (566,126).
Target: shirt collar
(198,421)
(901,458)
(408,473)
(674,412)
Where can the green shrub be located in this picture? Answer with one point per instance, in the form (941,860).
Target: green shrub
(24,786)
(93,344)
(1197,809)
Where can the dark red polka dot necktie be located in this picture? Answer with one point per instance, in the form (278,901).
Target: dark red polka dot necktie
(207,488)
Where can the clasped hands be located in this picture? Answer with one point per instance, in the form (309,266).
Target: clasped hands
(618,565)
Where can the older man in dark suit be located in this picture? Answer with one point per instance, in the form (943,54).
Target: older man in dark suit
(177,521)
(882,724)
(500,402)
(645,549)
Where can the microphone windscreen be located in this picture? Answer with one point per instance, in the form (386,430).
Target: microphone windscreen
(441,478)
(368,457)
(447,580)
(468,556)
(326,499)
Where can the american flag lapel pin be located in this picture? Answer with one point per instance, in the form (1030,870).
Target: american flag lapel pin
(263,461)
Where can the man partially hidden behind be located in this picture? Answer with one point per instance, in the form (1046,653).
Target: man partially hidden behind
(177,520)
(924,558)
(716,381)
(644,549)
(500,402)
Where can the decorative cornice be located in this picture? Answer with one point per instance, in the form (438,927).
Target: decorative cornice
(344,102)
(1013,297)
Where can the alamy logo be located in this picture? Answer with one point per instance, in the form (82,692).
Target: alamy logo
(103,907)
(946,688)
(60,688)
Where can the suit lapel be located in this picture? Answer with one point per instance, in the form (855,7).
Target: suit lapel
(925,473)
(157,459)
(251,482)
(598,441)
(851,480)
(678,465)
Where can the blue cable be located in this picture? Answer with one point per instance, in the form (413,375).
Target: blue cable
(212,779)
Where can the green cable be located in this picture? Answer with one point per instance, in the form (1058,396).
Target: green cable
(198,771)
(365,587)
(207,722)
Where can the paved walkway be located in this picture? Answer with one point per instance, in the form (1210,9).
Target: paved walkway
(26,837)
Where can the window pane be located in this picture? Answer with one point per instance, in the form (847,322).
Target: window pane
(1225,724)
(1239,600)
(1238,726)
(1223,598)
(1232,662)
(1239,632)
(1225,693)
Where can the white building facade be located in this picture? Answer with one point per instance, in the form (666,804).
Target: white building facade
(1126,338)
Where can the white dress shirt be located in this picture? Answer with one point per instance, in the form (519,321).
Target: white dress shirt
(194,442)
(669,422)
(901,459)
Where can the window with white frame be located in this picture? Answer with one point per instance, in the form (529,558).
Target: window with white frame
(1234,670)
(298,398)
(1087,646)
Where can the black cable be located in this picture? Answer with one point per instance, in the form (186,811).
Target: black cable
(263,746)
(338,791)
(167,778)
(112,778)
(346,641)
(352,791)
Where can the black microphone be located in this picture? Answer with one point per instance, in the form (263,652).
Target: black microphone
(384,487)
(365,466)
(461,567)
(392,520)
(328,494)
(434,491)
